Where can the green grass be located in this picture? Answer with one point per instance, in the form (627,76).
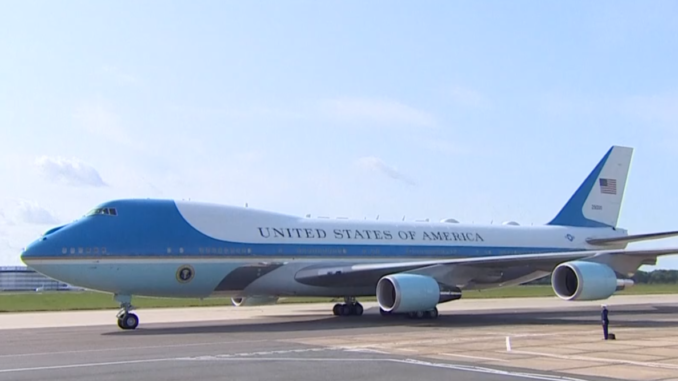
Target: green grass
(72,300)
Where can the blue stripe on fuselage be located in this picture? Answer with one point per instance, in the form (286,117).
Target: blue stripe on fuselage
(156,228)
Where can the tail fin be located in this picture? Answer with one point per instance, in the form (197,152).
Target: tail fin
(597,202)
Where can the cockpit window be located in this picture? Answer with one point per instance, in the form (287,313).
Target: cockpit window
(104,211)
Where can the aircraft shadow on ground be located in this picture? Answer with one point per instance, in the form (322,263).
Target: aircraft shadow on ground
(620,317)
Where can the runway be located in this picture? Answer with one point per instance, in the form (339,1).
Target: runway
(548,340)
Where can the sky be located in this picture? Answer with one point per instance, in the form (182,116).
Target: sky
(482,111)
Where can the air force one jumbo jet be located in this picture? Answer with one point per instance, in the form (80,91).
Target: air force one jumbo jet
(168,248)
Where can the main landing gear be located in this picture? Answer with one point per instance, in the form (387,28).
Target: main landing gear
(350,308)
(432,314)
(126,319)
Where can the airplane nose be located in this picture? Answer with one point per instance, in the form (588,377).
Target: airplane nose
(30,251)
(26,254)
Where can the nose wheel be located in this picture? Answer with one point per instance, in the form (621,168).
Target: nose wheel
(126,319)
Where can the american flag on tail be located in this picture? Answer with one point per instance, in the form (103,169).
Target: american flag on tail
(608,186)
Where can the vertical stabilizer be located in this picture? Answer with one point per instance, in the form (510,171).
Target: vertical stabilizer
(598,201)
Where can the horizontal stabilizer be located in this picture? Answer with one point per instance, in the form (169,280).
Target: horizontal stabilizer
(630,238)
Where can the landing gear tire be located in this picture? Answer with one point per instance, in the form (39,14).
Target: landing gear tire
(347,309)
(357,309)
(128,321)
(432,314)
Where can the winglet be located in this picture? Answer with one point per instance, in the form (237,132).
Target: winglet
(597,202)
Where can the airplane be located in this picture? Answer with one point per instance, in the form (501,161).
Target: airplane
(171,248)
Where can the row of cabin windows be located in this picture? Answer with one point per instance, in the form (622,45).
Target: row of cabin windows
(83,250)
(202,250)
(226,250)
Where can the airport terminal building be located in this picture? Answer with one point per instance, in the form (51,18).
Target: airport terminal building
(22,278)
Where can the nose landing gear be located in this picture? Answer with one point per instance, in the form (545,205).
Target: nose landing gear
(126,319)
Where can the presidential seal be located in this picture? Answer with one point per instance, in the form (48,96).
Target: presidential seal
(185,273)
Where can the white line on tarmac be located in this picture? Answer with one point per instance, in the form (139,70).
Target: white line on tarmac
(127,348)
(240,358)
(598,359)
(86,365)
(464,368)
(302,359)
(478,369)
(472,357)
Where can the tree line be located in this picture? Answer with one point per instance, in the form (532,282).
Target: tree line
(641,277)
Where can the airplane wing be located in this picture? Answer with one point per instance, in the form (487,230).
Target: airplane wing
(364,274)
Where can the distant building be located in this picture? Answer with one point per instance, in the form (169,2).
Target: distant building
(22,278)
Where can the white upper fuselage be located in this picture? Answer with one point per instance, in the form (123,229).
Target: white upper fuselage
(246,225)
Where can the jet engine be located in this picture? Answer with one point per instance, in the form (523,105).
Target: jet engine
(402,293)
(254,301)
(582,280)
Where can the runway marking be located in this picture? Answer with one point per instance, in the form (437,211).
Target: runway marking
(366,350)
(599,359)
(126,348)
(464,368)
(240,357)
(477,369)
(262,353)
(302,359)
(473,357)
(243,357)
(86,365)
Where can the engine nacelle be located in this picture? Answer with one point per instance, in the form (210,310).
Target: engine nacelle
(254,301)
(402,293)
(581,280)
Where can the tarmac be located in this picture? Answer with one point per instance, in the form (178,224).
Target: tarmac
(475,339)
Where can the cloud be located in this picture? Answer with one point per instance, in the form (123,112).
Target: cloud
(32,213)
(17,212)
(69,171)
(380,111)
(9,255)
(374,164)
